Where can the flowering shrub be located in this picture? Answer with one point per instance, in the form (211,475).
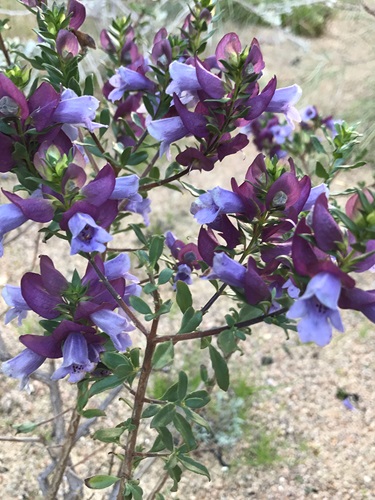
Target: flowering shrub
(277,243)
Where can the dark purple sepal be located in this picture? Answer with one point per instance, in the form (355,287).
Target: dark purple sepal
(195,123)
(79,206)
(228,49)
(259,103)
(78,13)
(6,150)
(359,300)
(100,189)
(36,209)
(210,83)
(53,281)
(8,89)
(207,243)
(73,176)
(304,258)
(42,105)
(287,184)
(195,160)
(227,230)
(256,289)
(326,230)
(232,145)
(67,45)
(51,346)
(255,57)
(37,297)
(189,254)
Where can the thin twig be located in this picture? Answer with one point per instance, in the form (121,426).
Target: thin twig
(91,454)
(64,456)
(149,454)
(150,165)
(145,399)
(5,51)
(213,299)
(22,439)
(152,185)
(178,337)
(158,486)
(118,299)
(124,249)
(140,140)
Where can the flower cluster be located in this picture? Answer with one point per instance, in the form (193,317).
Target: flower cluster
(76,311)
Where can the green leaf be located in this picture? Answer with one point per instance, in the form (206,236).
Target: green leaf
(150,411)
(163,309)
(137,158)
(166,437)
(175,474)
(171,394)
(111,435)
(156,249)
(164,416)
(139,234)
(104,385)
(139,305)
(165,275)
(190,320)
(132,488)
(317,144)
(89,85)
(114,359)
(25,427)
(227,341)
(184,428)
(183,297)
(94,412)
(321,171)
(194,466)
(182,385)
(249,312)
(100,482)
(149,288)
(220,368)
(195,417)
(83,395)
(163,355)
(197,399)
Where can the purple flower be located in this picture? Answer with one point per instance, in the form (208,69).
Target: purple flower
(13,298)
(67,45)
(22,366)
(184,81)
(76,362)
(115,326)
(348,404)
(283,101)
(183,274)
(281,133)
(228,270)
(167,130)
(315,192)
(126,80)
(77,110)
(215,202)
(11,217)
(78,13)
(308,113)
(318,309)
(87,235)
(118,268)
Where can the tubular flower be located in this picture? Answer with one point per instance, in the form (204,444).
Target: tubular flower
(318,309)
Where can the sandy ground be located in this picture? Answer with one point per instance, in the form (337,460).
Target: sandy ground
(312,445)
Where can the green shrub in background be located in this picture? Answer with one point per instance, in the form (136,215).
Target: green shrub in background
(308,20)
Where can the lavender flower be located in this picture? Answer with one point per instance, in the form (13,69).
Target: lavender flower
(77,110)
(115,326)
(308,113)
(215,202)
(318,309)
(167,130)
(22,366)
(126,80)
(87,235)
(283,101)
(13,297)
(11,217)
(228,270)
(183,274)
(76,362)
